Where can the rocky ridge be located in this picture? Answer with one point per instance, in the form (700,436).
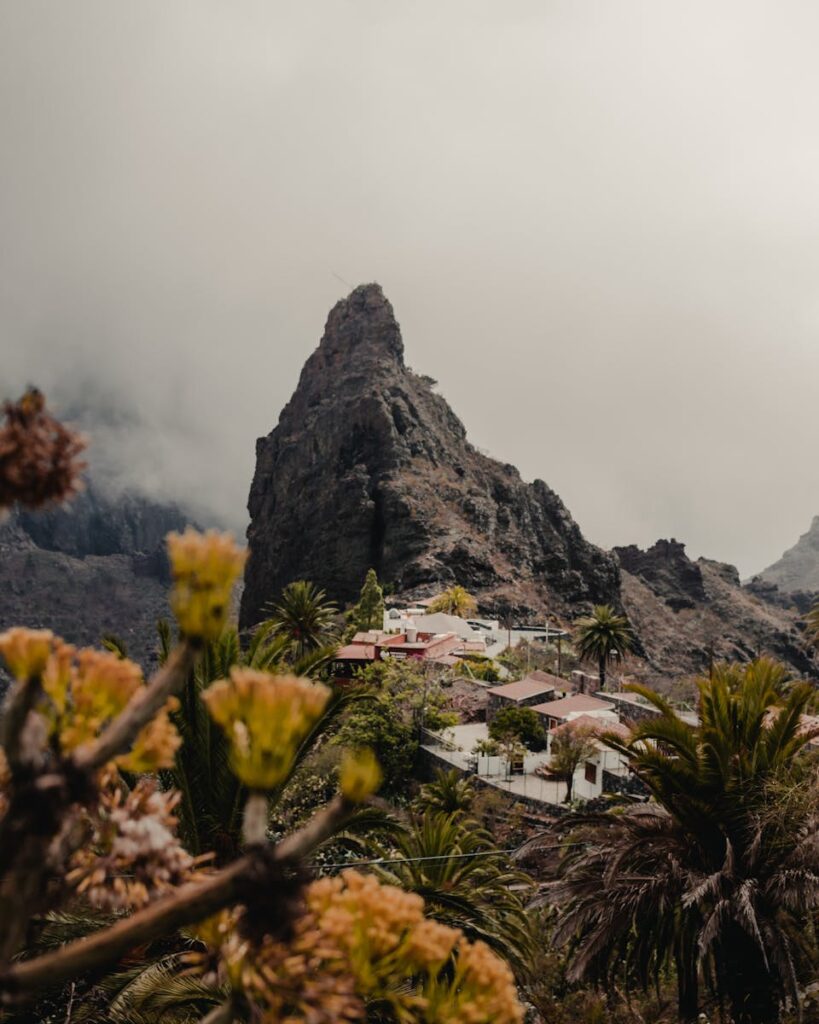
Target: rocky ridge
(94,566)
(369,467)
(687,613)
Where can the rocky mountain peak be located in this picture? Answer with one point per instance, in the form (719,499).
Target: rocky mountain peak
(798,568)
(369,467)
(361,333)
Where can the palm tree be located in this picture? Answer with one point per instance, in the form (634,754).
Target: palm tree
(602,636)
(506,619)
(304,616)
(464,879)
(448,793)
(456,600)
(212,797)
(149,984)
(704,878)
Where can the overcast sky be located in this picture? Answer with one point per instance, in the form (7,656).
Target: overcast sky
(598,224)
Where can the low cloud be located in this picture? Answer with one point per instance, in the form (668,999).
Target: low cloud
(597,225)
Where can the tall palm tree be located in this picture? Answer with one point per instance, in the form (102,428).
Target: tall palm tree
(464,879)
(303,615)
(456,600)
(507,620)
(703,878)
(212,797)
(602,636)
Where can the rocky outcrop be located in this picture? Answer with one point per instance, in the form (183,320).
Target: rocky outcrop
(669,572)
(96,565)
(369,467)
(687,613)
(798,569)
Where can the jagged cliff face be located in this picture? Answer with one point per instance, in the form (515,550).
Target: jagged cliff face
(368,467)
(96,565)
(798,569)
(688,612)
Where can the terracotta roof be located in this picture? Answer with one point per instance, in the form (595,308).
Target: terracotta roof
(599,724)
(356,652)
(580,702)
(557,682)
(522,689)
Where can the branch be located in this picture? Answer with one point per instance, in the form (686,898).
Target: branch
(191,903)
(40,803)
(144,705)
(320,827)
(22,699)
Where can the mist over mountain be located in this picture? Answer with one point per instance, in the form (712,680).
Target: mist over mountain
(185,190)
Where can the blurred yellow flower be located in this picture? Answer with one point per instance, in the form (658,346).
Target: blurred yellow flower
(360,775)
(361,942)
(204,567)
(57,674)
(265,719)
(156,745)
(100,687)
(86,689)
(482,990)
(26,651)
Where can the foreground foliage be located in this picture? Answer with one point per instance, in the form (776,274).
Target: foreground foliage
(82,820)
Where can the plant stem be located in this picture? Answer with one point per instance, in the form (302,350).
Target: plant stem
(254,826)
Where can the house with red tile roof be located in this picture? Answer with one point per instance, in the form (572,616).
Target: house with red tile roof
(366,648)
(558,712)
(522,693)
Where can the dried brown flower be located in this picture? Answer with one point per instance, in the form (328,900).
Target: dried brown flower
(38,455)
(135,855)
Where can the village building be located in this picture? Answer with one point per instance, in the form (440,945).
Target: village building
(536,688)
(366,648)
(558,712)
(631,707)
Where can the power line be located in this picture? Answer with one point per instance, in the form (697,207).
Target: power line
(384,861)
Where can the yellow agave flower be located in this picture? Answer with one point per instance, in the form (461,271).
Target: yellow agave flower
(100,687)
(26,651)
(58,673)
(89,688)
(265,719)
(360,775)
(156,745)
(204,567)
(361,940)
(482,990)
